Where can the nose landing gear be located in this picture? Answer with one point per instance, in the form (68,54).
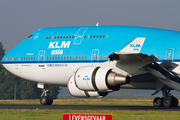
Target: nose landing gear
(45,99)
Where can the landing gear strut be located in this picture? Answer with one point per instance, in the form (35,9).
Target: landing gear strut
(45,99)
(167,101)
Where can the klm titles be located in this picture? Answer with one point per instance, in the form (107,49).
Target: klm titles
(57,46)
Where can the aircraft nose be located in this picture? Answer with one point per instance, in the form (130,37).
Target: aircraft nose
(4,60)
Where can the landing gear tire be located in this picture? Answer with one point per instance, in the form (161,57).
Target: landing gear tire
(44,100)
(167,102)
(50,100)
(174,102)
(157,102)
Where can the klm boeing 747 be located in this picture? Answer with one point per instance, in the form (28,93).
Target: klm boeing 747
(92,61)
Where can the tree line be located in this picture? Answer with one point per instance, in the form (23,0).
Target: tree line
(24,89)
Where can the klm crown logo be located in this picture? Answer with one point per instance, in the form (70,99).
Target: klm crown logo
(86,77)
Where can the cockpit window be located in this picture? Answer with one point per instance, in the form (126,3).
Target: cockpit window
(30,36)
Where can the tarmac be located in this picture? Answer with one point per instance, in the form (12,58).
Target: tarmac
(89,107)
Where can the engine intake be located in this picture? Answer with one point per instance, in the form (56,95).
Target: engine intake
(93,78)
(74,91)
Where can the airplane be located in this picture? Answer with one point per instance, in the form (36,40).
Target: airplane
(92,61)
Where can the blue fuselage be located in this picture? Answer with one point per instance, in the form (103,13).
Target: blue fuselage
(63,47)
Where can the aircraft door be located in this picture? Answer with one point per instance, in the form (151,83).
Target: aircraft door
(170,54)
(41,58)
(95,56)
(79,35)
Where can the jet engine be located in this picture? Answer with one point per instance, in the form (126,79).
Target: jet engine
(74,91)
(101,79)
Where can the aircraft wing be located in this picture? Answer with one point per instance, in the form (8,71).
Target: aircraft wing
(130,59)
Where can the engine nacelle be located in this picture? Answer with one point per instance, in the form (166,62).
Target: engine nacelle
(93,78)
(74,91)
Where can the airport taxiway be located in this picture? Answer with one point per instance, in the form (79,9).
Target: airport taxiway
(88,107)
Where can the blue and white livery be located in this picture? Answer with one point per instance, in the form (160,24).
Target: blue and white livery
(95,60)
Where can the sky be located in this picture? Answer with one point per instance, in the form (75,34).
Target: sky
(18,18)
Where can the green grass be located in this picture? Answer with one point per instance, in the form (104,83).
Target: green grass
(46,114)
(139,102)
(56,114)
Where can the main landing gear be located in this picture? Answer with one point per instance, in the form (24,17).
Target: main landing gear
(167,101)
(45,99)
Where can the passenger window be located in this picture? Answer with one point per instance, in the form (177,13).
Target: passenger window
(67,58)
(58,58)
(100,36)
(55,37)
(21,58)
(70,57)
(55,58)
(73,57)
(76,57)
(72,36)
(85,57)
(12,58)
(79,57)
(58,37)
(63,37)
(101,57)
(61,58)
(46,37)
(31,58)
(52,58)
(66,37)
(47,58)
(94,36)
(106,36)
(82,57)
(88,36)
(85,36)
(34,58)
(49,37)
(103,36)
(97,36)
(52,37)
(64,58)
(91,36)
(104,57)
(69,37)
(26,58)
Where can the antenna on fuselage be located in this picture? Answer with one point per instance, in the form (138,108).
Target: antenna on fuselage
(97,24)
